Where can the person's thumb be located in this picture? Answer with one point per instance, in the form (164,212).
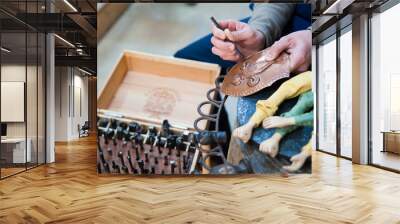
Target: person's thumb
(298,60)
(238,35)
(277,48)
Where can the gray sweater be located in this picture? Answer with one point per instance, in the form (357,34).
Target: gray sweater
(270,19)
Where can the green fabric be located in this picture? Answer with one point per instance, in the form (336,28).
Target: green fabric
(287,130)
(298,112)
(304,104)
(305,119)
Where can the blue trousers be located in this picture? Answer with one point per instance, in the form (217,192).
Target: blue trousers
(200,50)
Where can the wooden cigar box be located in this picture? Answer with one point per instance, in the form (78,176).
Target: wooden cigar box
(148,89)
(153,88)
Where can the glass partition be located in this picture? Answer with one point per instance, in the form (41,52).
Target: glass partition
(23,91)
(346,93)
(14,153)
(327,95)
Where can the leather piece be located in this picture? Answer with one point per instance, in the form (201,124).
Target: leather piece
(255,73)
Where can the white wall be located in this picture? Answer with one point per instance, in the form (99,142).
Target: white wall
(14,73)
(61,103)
(71,93)
(81,100)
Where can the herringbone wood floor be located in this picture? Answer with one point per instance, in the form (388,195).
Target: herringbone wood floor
(70,191)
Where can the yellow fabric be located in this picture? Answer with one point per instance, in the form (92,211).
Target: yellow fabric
(307,149)
(291,88)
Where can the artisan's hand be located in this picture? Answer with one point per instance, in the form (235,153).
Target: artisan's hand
(236,35)
(298,45)
(244,132)
(278,122)
(271,145)
(299,159)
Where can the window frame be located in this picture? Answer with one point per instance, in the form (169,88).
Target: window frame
(333,37)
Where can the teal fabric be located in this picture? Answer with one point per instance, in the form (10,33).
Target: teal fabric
(305,119)
(304,104)
(298,112)
(285,131)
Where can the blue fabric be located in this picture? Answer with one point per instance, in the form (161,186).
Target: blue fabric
(301,19)
(200,50)
(292,143)
(251,6)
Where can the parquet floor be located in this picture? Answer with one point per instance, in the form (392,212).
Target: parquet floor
(10,171)
(70,191)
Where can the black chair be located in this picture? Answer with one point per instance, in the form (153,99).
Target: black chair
(84,130)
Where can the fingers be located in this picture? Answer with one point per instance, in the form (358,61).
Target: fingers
(271,122)
(295,158)
(264,147)
(224,49)
(293,167)
(223,45)
(269,147)
(297,162)
(226,55)
(224,24)
(299,59)
(242,133)
(298,45)
(239,35)
(229,24)
(229,35)
(218,33)
(267,123)
(233,30)
(277,48)
(235,132)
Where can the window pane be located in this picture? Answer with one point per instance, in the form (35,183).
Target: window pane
(385,84)
(327,96)
(346,94)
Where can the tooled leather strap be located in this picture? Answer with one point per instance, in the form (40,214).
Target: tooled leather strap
(255,73)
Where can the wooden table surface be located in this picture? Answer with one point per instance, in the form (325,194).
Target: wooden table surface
(70,191)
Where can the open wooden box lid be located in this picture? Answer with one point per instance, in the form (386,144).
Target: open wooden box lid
(153,88)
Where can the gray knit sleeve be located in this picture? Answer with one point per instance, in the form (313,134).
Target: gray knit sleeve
(270,19)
